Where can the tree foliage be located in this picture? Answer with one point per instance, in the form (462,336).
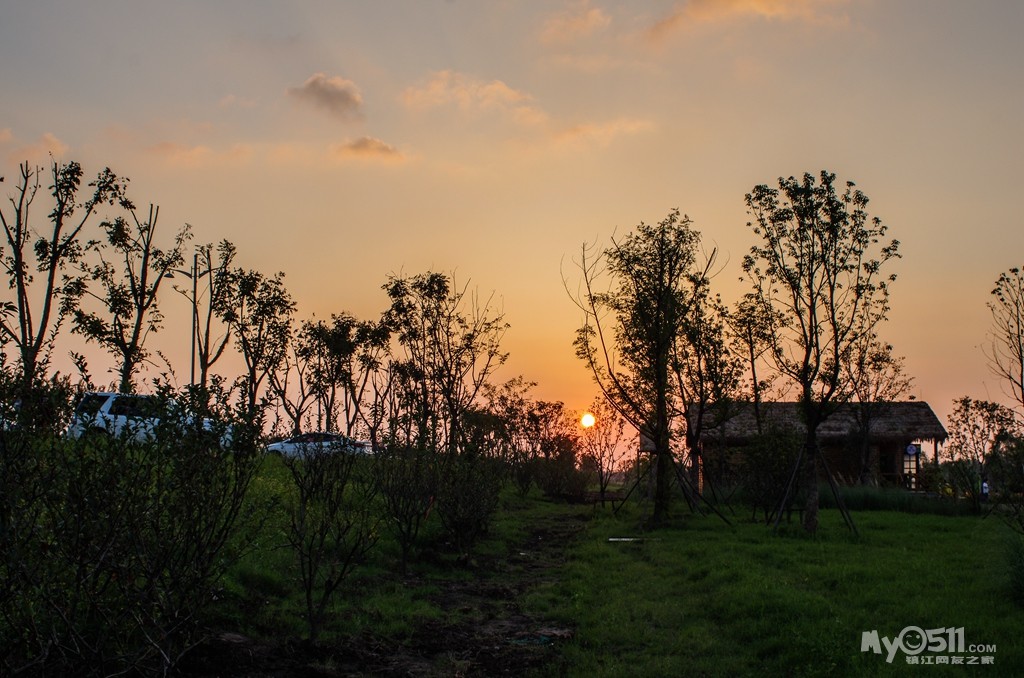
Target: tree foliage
(450,345)
(636,298)
(819,268)
(129,290)
(40,262)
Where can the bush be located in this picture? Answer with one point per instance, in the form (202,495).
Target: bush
(467,496)
(111,549)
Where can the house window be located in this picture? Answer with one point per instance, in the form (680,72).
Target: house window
(910,458)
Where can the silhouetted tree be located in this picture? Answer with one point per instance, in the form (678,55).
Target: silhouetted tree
(1006,350)
(976,430)
(39,262)
(259,310)
(604,442)
(630,331)
(451,345)
(209,300)
(819,269)
(128,290)
(878,379)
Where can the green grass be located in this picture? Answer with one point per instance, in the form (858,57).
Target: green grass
(703,598)
(696,597)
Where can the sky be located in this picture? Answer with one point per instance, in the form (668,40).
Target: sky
(340,142)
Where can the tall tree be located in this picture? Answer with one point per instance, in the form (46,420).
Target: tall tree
(32,319)
(635,298)
(1006,349)
(128,290)
(819,268)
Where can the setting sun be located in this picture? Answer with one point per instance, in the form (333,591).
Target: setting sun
(587,420)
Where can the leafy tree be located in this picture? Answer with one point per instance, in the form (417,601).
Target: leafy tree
(750,327)
(259,310)
(39,262)
(332,525)
(707,372)
(977,428)
(819,268)
(631,329)
(129,290)
(344,356)
(878,379)
(1006,350)
(451,345)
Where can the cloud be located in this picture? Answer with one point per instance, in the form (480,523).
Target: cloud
(36,152)
(578,22)
(369,148)
(714,11)
(470,95)
(336,95)
(602,134)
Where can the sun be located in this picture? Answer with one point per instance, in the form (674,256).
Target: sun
(587,420)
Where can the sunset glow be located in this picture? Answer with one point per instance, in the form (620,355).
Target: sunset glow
(342,142)
(587,420)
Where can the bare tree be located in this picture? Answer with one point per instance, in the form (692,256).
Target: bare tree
(32,319)
(129,290)
(819,270)
(208,300)
(603,442)
(1006,349)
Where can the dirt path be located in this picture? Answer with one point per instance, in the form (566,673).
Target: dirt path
(483,630)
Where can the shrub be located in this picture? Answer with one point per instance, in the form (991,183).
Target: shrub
(467,496)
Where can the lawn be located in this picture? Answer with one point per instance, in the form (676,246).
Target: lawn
(701,597)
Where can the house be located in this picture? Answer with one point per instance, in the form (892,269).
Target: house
(878,442)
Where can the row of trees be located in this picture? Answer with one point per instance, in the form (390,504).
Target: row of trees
(665,350)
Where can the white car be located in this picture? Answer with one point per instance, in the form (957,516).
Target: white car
(307,443)
(124,414)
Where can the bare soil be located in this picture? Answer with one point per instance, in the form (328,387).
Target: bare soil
(483,630)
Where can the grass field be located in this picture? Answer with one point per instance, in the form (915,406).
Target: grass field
(560,589)
(705,598)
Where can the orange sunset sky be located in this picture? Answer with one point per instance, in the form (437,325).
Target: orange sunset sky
(343,141)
